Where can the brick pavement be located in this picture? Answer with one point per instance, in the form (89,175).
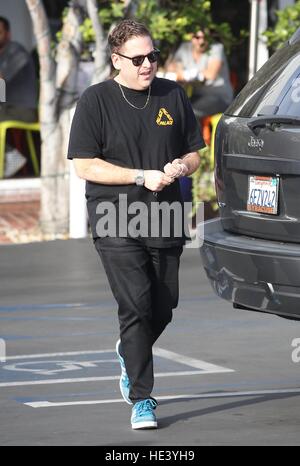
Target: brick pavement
(19,219)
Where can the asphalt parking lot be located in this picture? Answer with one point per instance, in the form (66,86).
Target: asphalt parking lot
(223,377)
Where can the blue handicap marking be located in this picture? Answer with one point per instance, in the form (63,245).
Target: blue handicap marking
(104,364)
(94,364)
(91,366)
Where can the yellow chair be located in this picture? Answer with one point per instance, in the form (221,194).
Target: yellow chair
(214,120)
(28,127)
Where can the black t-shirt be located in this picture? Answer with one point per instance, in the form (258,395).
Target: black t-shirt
(105,126)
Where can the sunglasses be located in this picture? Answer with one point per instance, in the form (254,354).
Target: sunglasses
(139,60)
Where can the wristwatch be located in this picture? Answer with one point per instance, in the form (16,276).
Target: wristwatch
(140,178)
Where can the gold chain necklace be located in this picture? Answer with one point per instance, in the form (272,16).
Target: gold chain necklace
(129,103)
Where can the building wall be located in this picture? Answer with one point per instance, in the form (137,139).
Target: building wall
(21,27)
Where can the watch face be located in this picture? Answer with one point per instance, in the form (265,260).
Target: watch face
(139,180)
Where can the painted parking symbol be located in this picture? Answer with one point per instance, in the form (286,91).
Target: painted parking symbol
(91,366)
(55,367)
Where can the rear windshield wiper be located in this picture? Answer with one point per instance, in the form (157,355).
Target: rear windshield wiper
(271,122)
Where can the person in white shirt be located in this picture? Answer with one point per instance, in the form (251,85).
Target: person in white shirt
(206,67)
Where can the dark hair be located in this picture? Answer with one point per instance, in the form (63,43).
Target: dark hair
(124,31)
(5,23)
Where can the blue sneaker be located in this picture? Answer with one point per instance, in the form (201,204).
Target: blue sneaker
(124,380)
(143,416)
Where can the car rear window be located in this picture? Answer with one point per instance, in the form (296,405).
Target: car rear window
(275,89)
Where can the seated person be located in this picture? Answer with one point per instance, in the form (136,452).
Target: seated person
(18,70)
(207,69)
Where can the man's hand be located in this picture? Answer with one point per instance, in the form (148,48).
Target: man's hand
(176,169)
(156,180)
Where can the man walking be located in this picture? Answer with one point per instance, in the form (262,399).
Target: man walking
(133,136)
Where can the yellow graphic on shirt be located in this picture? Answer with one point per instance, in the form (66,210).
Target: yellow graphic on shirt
(164,118)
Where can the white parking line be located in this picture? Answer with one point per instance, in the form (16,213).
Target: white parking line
(48,404)
(55,355)
(196,363)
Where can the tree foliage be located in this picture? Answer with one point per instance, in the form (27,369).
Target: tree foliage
(288,23)
(170,21)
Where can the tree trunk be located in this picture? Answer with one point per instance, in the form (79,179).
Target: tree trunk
(57,96)
(50,136)
(102,69)
(67,60)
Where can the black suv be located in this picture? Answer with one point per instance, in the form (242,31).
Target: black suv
(251,254)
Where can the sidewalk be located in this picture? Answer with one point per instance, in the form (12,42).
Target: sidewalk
(19,210)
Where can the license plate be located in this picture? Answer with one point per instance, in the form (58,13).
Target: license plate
(263,194)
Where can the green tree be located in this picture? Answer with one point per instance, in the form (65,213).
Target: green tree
(170,21)
(288,23)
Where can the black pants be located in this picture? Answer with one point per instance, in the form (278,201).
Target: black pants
(144,282)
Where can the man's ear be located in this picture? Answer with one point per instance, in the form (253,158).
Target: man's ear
(116,61)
